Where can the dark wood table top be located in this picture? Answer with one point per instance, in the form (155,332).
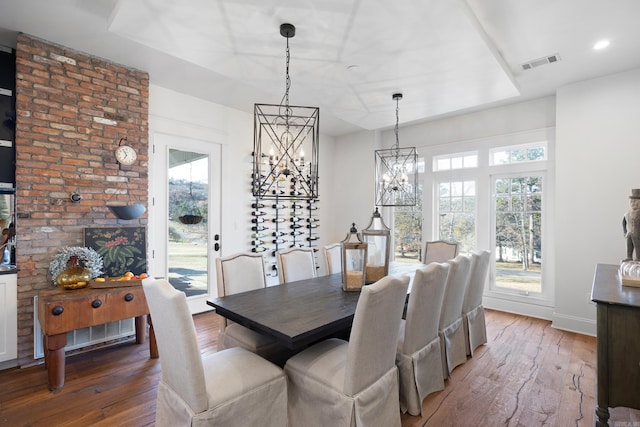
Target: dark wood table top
(608,288)
(297,313)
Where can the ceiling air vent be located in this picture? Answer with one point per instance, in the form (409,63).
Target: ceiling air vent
(541,61)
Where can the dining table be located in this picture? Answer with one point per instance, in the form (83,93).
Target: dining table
(300,313)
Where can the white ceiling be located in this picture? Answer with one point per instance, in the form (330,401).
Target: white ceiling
(348,56)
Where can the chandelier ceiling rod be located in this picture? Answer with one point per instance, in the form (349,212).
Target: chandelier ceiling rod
(287,31)
(397,97)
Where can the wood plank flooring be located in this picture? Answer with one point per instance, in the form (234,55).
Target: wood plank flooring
(529,374)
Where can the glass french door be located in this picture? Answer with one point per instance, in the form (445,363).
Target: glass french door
(189,205)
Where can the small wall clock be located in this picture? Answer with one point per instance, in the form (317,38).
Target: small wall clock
(125,155)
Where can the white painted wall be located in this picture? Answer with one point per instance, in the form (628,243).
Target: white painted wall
(353,198)
(597,152)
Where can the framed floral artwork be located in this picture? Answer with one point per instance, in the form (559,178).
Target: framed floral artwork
(122,248)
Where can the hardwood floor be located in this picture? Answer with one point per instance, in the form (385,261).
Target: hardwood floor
(529,374)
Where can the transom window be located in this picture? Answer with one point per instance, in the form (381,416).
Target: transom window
(518,154)
(455,161)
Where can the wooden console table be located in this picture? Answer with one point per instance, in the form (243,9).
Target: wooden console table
(618,323)
(61,311)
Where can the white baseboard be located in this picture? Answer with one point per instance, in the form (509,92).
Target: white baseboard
(564,322)
(578,325)
(524,309)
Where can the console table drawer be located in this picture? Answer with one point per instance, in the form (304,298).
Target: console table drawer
(65,310)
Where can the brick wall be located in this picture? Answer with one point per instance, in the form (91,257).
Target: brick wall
(72,109)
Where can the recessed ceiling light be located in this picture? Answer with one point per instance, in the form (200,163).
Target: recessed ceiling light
(601,45)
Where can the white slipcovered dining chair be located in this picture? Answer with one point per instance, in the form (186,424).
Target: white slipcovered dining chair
(295,264)
(439,251)
(475,328)
(450,329)
(355,383)
(233,387)
(333,258)
(419,355)
(237,273)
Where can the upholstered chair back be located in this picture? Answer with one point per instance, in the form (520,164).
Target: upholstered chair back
(333,258)
(295,264)
(240,272)
(425,303)
(477,279)
(181,365)
(440,251)
(372,350)
(455,290)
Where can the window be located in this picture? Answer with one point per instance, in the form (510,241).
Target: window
(489,194)
(518,154)
(518,233)
(407,226)
(455,161)
(457,213)
(407,231)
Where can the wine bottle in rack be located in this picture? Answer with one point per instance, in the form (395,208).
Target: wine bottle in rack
(296,206)
(295,219)
(259,249)
(277,192)
(294,226)
(297,233)
(313,219)
(313,225)
(257,220)
(278,219)
(257,205)
(258,213)
(278,241)
(296,213)
(259,228)
(278,234)
(276,206)
(257,242)
(312,238)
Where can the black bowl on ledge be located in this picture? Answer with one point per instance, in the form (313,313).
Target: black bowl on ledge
(128,211)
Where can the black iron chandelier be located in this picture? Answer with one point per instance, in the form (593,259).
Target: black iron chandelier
(285,145)
(396,172)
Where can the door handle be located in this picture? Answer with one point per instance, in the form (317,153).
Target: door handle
(216,247)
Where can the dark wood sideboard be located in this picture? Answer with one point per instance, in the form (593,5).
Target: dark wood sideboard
(618,327)
(61,311)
